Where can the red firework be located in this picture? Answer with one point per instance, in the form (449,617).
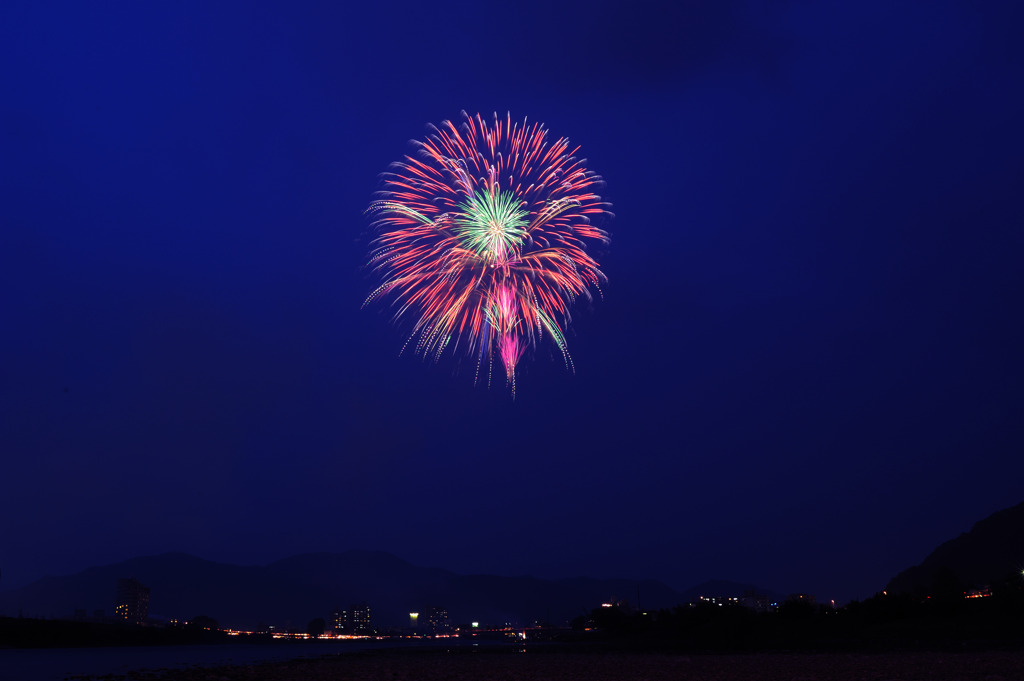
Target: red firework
(483,237)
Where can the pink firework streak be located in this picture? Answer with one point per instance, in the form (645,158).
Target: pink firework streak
(482,240)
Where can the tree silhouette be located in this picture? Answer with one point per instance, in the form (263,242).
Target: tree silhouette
(316,627)
(203,622)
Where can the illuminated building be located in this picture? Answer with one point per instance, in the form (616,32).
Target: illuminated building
(132,601)
(437,620)
(720,601)
(359,618)
(339,621)
(355,620)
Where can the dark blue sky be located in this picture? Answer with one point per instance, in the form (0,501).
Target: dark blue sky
(805,373)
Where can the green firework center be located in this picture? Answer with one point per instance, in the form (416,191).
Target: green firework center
(492,225)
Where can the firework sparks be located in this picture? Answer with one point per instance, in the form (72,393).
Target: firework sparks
(482,240)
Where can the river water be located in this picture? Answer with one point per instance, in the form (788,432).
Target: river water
(57,664)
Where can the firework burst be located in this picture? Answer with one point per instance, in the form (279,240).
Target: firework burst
(483,237)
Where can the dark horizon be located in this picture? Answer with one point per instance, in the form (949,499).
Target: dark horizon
(804,370)
(181,586)
(710,587)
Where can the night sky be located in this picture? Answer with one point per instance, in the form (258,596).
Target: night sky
(805,371)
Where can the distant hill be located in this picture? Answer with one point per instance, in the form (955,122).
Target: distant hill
(991,551)
(292,591)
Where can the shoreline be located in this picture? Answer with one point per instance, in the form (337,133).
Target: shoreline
(519,664)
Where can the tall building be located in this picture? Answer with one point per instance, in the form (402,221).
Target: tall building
(360,618)
(355,620)
(339,621)
(132,604)
(437,620)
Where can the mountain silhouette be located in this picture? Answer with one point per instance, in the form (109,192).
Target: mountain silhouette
(292,591)
(990,552)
